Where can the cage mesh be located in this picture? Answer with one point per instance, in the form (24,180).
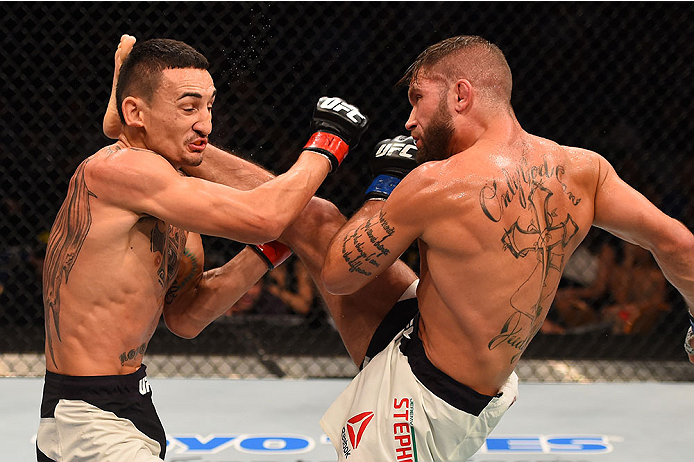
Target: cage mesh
(610,77)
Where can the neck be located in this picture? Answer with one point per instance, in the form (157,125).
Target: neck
(498,124)
(132,138)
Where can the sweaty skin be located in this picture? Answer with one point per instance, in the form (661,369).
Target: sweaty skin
(125,248)
(496,222)
(356,315)
(107,274)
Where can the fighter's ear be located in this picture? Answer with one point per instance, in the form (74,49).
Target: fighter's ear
(463,93)
(133,111)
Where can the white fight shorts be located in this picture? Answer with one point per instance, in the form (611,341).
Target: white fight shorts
(99,418)
(401,408)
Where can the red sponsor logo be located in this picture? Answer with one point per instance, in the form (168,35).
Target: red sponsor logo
(356,426)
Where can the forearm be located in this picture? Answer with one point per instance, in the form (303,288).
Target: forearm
(216,292)
(284,198)
(228,169)
(675,256)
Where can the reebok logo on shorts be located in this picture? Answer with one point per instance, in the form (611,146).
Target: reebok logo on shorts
(355,428)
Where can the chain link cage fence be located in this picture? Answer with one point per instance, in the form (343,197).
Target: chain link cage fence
(612,77)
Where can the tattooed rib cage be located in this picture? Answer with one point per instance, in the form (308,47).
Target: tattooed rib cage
(67,236)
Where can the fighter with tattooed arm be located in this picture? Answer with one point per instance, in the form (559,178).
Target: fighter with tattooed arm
(497,212)
(125,248)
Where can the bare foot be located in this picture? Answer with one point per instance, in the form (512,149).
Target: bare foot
(112,125)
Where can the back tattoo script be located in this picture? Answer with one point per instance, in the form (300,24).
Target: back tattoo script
(545,238)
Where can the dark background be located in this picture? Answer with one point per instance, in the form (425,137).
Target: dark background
(612,77)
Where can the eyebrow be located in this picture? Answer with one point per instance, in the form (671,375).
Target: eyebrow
(195,94)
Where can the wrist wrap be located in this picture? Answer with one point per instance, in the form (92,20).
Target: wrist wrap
(687,342)
(691,318)
(382,186)
(273,253)
(331,146)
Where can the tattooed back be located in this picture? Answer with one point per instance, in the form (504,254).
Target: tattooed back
(502,219)
(107,272)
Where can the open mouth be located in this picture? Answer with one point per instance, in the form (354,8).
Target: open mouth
(199,144)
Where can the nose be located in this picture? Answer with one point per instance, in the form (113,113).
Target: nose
(411,123)
(204,125)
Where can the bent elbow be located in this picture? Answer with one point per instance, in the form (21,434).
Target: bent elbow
(180,329)
(273,229)
(261,228)
(335,283)
(679,241)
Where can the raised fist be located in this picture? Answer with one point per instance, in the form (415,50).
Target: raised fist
(392,160)
(337,127)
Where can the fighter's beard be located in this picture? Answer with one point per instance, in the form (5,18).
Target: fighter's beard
(436,137)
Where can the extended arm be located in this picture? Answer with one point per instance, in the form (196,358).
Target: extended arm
(625,213)
(145,183)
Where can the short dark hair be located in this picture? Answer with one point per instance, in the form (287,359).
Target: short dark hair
(140,73)
(470,55)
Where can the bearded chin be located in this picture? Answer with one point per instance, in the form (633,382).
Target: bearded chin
(437,139)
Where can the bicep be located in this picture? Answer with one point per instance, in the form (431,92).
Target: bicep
(626,213)
(147,184)
(366,247)
(190,269)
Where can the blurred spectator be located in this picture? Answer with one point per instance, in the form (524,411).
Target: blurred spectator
(258,301)
(287,290)
(291,283)
(623,292)
(582,290)
(638,289)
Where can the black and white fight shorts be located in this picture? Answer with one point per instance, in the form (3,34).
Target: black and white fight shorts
(401,408)
(104,418)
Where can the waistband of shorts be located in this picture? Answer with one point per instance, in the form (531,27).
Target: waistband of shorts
(439,383)
(79,387)
(393,323)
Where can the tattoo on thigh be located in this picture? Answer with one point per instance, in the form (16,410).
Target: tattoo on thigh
(132,354)
(66,239)
(354,243)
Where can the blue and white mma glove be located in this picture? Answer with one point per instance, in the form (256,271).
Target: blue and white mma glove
(392,160)
(690,335)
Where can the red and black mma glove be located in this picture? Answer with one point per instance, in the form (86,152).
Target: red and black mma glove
(392,160)
(273,253)
(337,127)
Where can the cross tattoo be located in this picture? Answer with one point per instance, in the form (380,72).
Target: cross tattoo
(542,235)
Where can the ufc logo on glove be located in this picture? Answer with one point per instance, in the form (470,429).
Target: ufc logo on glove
(339,105)
(402,149)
